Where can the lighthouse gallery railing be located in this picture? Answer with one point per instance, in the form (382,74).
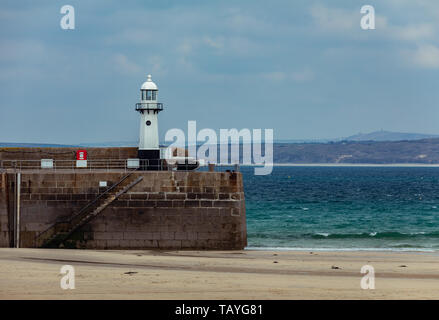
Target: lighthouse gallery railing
(149,106)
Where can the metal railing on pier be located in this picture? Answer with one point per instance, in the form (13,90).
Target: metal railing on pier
(112,164)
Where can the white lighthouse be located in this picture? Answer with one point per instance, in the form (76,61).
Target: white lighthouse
(149,109)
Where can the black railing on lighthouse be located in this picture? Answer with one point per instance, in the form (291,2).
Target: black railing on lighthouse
(149,106)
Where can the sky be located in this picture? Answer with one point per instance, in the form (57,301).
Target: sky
(304,68)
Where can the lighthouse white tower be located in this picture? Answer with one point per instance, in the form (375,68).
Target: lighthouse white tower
(149,109)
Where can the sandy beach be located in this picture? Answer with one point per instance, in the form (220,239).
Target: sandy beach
(248,274)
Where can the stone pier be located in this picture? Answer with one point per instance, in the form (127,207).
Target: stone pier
(165,210)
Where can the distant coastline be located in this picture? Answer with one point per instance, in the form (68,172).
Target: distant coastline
(413,153)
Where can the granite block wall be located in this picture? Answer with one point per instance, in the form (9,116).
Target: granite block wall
(166,210)
(24,153)
(5,220)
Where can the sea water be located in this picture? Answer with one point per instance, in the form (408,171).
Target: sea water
(343,208)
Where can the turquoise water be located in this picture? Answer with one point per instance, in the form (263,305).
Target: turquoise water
(343,208)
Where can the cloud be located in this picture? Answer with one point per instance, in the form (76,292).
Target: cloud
(185,47)
(239,22)
(301,76)
(217,47)
(414,32)
(408,37)
(275,76)
(129,37)
(427,56)
(343,21)
(152,64)
(157,65)
(22,50)
(334,19)
(24,59)
(124,65)
(217,43)
(428,7)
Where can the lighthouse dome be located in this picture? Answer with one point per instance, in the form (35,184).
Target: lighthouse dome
(148,84)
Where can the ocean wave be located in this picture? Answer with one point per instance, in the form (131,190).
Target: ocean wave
(395,249)
(391,235)
(373,235)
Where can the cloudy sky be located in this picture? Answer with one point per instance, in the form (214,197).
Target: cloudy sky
(304,68)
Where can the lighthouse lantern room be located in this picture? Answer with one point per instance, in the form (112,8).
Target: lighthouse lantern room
(149,108)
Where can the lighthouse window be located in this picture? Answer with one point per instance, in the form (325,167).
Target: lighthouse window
(149,95)
(148,123)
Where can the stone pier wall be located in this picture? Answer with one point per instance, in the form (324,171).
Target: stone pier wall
(23,153)
(5,219)
(166,210)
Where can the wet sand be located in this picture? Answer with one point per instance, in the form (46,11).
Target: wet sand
(35,274)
